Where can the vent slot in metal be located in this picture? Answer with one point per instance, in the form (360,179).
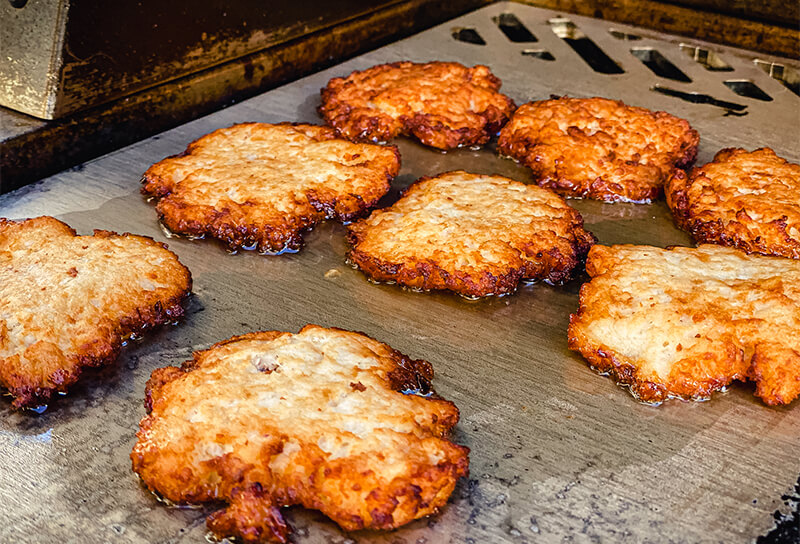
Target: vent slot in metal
(513,28)
(698,98)
(620,35)
(468,35)
(745,87)
(785,74)
(659,64)
(539,54)
(586,48)
(706,57)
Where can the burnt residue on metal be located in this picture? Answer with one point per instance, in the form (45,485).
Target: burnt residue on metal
(787,526)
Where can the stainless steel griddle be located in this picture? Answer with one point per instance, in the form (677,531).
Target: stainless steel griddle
(559,454)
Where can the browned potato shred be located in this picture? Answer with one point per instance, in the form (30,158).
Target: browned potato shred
(685,322)
(325,418)
(599,148)
(473,234)
(442,104)
(260,186)
(68,302)
(748,200)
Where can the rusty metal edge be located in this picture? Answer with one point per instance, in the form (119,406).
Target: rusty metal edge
(53,146)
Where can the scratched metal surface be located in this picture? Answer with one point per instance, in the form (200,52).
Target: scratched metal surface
(558,452)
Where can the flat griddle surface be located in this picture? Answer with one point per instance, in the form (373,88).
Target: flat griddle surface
(558,452)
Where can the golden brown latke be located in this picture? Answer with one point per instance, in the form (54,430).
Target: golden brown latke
(443,104)
(473,234)
(328,419)
(746,200)
(685,322)
(68,302)
(260,186)
(599,148)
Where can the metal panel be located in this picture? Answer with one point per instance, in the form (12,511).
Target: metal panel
(60,57)
(558,452)
(31,38)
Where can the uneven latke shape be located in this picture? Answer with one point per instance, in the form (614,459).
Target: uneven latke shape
(443,104)
(599,148)
(686,322)
(260,186)
(68,302)
(473,234)
(325,418)
(748,200)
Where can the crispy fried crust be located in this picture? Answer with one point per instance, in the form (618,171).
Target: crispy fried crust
(473,234)
(686,322)
(318,418)
(599,148)
(260,186)
(68,302)
(746,200)
(443,104)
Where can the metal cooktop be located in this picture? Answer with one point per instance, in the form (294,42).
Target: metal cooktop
(559,454)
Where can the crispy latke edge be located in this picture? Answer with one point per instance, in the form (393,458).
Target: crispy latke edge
(519,149)
(428,275)
(269,239)
(405,378)
(379,127)
(106,350)
(714,231)
(603,360)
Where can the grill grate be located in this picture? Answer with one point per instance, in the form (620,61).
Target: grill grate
(671,61)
